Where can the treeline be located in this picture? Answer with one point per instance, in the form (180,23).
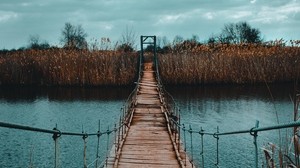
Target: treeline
(185,63)
(67,67)
(236,55)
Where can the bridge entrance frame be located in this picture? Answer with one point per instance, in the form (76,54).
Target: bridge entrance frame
(149,40)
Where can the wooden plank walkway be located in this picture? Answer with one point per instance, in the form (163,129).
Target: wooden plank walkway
(148,142)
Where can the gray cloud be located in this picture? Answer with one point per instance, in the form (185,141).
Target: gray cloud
(109,18)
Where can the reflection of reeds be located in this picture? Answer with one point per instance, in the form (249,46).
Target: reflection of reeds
(230,64)
(67,67)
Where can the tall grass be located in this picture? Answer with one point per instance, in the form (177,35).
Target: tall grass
(67,67)
(230,64)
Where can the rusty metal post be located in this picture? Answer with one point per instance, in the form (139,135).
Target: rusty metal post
(56,147)
(191,136)
(217,153)
(254,134)
(295,129)
(98,144)
(115,131)
(202,145)
(122,122)
(184,144)
(119,130)
(84,150)
(179,131)
(107,146)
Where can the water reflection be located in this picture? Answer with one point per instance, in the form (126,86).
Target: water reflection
(235,92)
(30,94)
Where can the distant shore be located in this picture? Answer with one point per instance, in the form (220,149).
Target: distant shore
(203,64)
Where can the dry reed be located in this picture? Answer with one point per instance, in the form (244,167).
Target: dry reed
(67,67)
(230,64)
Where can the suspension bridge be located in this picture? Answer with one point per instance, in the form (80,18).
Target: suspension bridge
(149,132)
(150,141)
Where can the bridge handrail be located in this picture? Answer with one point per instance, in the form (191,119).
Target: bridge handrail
(54,130)
(57,133)
(133,93)
(166,94)
(252,131)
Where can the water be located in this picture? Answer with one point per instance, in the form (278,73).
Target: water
(233,108)
(76,109)
(71,109)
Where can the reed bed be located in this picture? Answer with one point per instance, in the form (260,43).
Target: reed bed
(233,64)
(67,67)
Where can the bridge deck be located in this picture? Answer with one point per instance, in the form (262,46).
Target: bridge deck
(148,142)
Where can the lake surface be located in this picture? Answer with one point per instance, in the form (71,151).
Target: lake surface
(79,109)
(233,108)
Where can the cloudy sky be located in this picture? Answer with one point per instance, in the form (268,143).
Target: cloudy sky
(109,18)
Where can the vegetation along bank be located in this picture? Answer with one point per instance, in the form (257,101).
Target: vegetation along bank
(67,67)
(184,64)
(231,64)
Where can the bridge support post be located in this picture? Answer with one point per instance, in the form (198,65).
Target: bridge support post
(202,145)
(56,147)
(98,144)
(216,136)
(149,40)
(84,151)
(254,134)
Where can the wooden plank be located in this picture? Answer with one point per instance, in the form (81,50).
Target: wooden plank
(148,142)
(135,165)
(150,157)
(157,161)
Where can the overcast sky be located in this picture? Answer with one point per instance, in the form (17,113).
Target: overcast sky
(109,18)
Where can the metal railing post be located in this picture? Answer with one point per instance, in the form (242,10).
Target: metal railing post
(191,136)
(56,146)
(202,146)
(115,131)
(98,144)
(123,120)
(217,138)
(254,134)
(107,146)
(179,132)
(84,150)
(119,130)
(184,144)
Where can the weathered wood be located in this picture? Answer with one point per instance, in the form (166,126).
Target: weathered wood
(148,142)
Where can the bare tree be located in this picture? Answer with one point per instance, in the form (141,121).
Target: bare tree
(165,41)
(128,41)
(35,43)
(240,32)
(74,36)
(177,40)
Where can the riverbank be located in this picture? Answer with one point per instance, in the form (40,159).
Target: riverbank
(189,65)
(230,64)
(65,67)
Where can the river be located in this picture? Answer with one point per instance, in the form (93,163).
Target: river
(77,109)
